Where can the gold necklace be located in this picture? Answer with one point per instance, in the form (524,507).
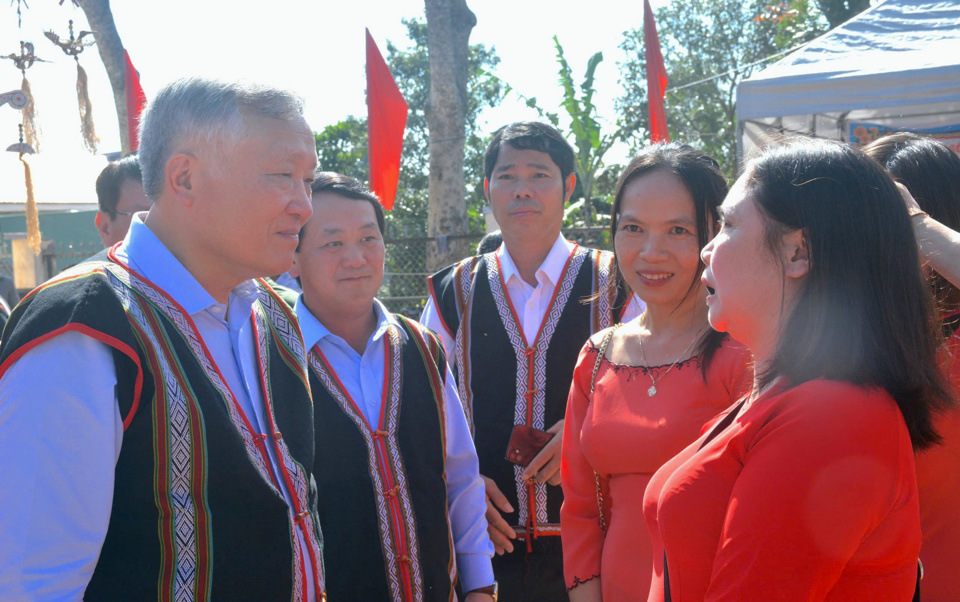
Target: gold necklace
(653,388)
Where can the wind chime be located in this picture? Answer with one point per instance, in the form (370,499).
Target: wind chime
(28,143)
(72,48)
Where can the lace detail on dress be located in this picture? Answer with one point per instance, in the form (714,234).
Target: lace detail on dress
(578,581)
(635,371)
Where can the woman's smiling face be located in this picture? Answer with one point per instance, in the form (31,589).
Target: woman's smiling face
(656,238)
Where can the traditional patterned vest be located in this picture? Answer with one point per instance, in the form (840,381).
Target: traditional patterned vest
(384,506)
(197,513)
(504,380)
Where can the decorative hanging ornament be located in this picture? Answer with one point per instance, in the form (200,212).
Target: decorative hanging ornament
(23,100)
(16,98)
(30,207)
(72,48)
(24,61)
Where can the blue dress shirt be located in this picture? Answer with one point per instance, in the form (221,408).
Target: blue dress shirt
(58,458)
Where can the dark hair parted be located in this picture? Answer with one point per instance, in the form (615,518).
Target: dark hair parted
(110,180)
(701,175)
(347,187)
(531,135)
(864,313)
(931,172)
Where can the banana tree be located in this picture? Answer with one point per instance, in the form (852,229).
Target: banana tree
(590,143)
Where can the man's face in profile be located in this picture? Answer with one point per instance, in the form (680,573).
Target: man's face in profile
(257,192)
(132,200)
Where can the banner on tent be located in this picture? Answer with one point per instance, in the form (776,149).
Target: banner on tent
(861,134)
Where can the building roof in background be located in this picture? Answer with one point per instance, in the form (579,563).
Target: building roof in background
(61,181)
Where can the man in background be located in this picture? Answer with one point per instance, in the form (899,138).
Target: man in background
(512,323)
(120,194)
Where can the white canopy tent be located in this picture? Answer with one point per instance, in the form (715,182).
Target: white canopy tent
(895,66)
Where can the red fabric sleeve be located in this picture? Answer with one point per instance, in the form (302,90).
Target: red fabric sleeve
(818,478)
(579,515)
(734,362)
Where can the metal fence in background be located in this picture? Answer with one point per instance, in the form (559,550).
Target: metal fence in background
(405,290)
(66,254)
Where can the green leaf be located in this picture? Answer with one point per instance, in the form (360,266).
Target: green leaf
(572,208)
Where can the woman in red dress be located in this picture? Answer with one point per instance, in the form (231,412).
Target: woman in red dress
(663,375)
(931,172)
(807,491)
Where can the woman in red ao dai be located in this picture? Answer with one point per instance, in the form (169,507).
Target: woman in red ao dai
(662,377)
(807,491)
(931,172)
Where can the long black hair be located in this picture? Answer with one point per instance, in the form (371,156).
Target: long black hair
(864,313)
(701,176)
(931,172)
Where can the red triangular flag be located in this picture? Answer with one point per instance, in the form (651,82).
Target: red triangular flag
(386,120)
(656,77)
(136,99)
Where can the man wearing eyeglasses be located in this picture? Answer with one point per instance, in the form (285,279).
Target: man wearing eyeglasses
(120,194)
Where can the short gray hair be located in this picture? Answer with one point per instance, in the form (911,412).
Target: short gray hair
(197,110)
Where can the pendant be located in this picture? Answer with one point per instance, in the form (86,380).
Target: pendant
(652,391)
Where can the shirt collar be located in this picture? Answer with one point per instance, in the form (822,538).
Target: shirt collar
(314,331)
(552,267)
(146,254)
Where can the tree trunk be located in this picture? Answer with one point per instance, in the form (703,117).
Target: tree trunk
(100,18)
(586,186)
(449,23)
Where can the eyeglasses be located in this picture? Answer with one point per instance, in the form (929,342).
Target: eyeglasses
(127,212)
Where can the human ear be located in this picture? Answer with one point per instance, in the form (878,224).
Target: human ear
(180,173)
(486,189)
(103,225)
(796,258)
(569,184)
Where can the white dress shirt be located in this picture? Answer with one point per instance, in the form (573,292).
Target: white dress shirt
(61,431)
(363,376)
(530,302)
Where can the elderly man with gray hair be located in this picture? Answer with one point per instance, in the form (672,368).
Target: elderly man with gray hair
(155,418)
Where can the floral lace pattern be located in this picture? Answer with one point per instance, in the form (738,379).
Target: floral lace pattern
(649,371)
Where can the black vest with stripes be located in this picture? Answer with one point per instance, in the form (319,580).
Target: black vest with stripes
(196,512)
(383,506)
(505,380)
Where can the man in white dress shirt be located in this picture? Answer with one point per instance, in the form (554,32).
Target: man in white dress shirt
(512,323)
(401,498)
(155,421)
